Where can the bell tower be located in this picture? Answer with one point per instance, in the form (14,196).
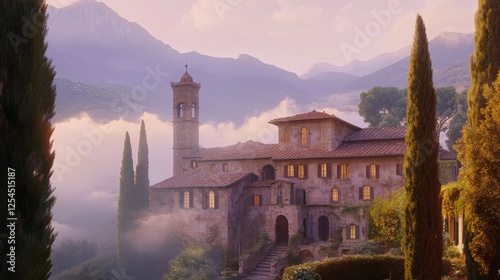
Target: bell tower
(185,119)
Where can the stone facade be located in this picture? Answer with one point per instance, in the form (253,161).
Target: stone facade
(318,178)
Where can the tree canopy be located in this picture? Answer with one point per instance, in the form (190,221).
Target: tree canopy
(386,107)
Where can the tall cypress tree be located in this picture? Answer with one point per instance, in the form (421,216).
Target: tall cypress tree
(142,170)
(125,201)
(423,243)
(484,67)
(27,97)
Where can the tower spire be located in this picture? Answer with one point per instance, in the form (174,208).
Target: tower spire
(186,65)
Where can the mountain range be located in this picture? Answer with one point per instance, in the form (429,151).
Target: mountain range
(110,68)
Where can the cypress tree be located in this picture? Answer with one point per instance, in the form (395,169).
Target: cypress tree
(142,171)
(423,243)
(27,97)
(125,200)
(484,67)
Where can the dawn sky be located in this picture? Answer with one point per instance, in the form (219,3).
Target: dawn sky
(292,35)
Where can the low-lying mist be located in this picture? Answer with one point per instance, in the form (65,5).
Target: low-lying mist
(88,158)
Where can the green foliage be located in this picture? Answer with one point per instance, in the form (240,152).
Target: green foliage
(302,273)
(477,138)
(422,240)
(142,171)
(355,267)
(70,253)
(482,193)
(387,216)
(27,96)
(451,252)
(96,269)
(379,102)
(368,248)
(194,263)
(453,196)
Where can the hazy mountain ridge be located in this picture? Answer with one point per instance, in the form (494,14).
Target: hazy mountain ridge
(91,44)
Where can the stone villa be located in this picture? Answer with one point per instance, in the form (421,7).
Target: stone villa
(321,167)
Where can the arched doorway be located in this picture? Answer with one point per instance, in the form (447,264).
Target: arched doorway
(281,230)
(323,228)
(268,173)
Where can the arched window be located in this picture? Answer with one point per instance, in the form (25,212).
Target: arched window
(303,136)
(335,195)
(193,111)
(211,199)
(180,110)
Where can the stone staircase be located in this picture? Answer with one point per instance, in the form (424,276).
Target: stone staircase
(263,269)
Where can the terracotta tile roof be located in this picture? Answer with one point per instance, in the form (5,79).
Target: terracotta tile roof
(246,150)
(313,115)
(370,149)
(201,179)
(301,153)
(377,133)
(447,155)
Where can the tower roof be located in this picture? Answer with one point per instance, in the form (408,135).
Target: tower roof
(186,78)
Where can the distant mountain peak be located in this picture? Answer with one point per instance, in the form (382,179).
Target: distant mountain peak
(92,22)
(453,38)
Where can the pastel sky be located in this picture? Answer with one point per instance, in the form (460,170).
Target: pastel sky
(293,34)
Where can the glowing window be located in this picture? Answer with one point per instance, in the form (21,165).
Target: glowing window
(367,193)
(225,167)
(186,200)
(324,170)
(286,137)
(335,195)
(301,173)
(211,199)
(352,232)
(343,172)
(291,170)
(303,136)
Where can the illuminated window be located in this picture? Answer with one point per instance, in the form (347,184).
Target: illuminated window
(225,167)
(186,200)
(366,193)
(213,167)
(302,171)
(342,171)
(335,195)
(372,171)
(353,232)
(303,136)
(211,199)
(286,137)
(194,164)
(257,200)
(324,170)
(290,170)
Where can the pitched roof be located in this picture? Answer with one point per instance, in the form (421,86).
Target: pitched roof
(199,178)
(264,183)
(313,115)
(377,133)
(370,149)
(447,155)
(246,150)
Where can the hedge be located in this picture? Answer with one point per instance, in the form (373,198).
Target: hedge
(355,267)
